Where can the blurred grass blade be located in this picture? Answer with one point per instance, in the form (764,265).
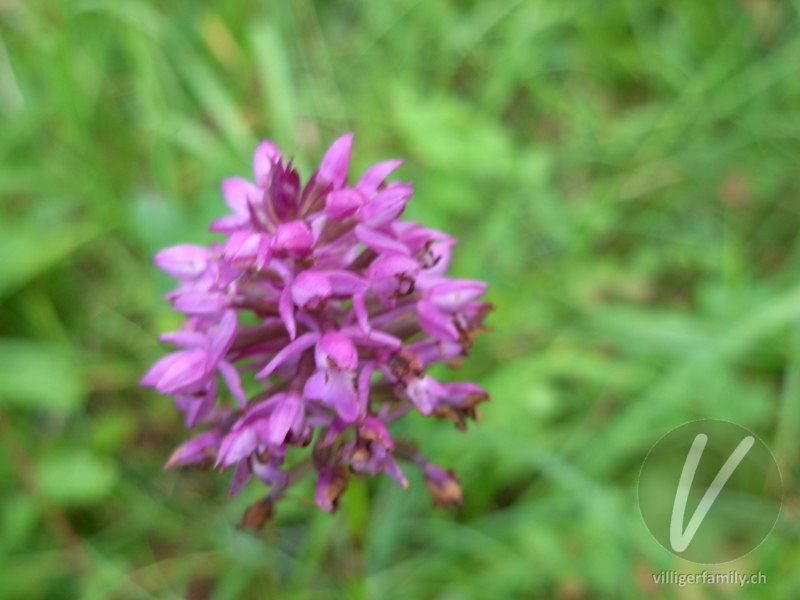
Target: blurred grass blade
(40,376)
(25,252)
(274,73)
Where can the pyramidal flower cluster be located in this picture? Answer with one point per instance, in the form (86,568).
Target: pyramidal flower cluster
(329,308)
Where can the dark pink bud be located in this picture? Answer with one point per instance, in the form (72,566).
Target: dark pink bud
(284,188)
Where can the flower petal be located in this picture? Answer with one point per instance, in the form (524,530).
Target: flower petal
(374,176)
(266,155)
(198,449)
(238,193)
(237,445)
(282,418)
(184,261)
(344,203)
(301,344)
(184,373)
(333,168)
(335,390)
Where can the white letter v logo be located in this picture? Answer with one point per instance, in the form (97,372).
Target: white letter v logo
(680,540)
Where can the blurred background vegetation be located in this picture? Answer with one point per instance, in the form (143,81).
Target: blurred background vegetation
(624,174)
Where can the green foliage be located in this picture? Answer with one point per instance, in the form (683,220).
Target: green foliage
(624,174)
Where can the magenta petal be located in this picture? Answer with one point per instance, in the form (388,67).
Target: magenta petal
(392,265)
(362,315)
(335,390)
(286,311)
(247,248)
(195,450)
(294,237)
(236,446)
(283,418)
(425,393)
(436,323)
(364,383)
(344,203)
(233,381)
(186,339)
(241,475)
(223,337)
(373,428)
(386,206)
(269,473)
(157,370)
(301,344)
(200,303)
(185,261)
(346,283)
(379,241)
(392,275)
(393,470)
(374,176)
(333,168)
(238,193)
(265,156)
(374,339)
(453,296)
(311,289)
(336,350)
(456,392)
(184,373)
(229,223)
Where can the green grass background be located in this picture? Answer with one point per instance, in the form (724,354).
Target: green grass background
(624,174)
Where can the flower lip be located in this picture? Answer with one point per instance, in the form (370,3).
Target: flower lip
(337,351)
(311,290)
